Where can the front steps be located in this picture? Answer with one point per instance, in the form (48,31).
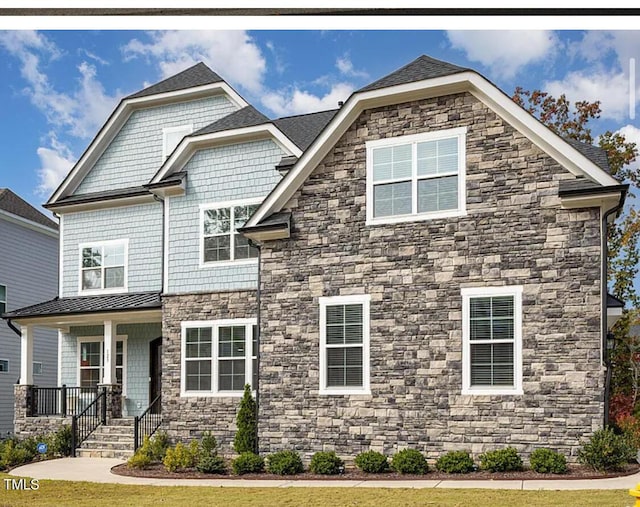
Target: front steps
(114,440)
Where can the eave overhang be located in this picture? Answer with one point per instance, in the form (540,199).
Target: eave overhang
(275,227)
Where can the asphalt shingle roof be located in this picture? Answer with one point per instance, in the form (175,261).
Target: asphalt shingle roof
(12,203)
(303,129)
(423,67)
(594,153)
(246,117)
(583,186)
(614,302)
(198,75)
(104,195)
(88,304)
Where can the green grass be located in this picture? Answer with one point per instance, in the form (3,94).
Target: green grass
(62,493)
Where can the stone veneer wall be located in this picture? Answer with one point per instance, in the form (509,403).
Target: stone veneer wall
(515,233)
(188,417)
(25,426)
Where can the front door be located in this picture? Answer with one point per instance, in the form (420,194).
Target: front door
(155,370)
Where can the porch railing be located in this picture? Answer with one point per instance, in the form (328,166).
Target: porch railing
(62,401)
(83,424)
(148,422)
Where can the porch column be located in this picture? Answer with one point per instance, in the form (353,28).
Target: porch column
(109,372)
(26,356)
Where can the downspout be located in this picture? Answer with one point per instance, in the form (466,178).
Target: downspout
(162,266)
(14,328)
(603,297)
(257,386)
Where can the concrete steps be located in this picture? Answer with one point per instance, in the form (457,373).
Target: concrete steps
(114,440)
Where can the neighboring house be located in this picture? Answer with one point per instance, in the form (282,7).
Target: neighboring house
(429,260)
(28,274)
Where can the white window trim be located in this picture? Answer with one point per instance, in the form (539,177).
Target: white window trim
(364,300)
(94,339)
(8,370)
(232,261)
(112,290)
(34,368)
(215,325)
(187,129)
(460,133)
(6,294)
(467,294)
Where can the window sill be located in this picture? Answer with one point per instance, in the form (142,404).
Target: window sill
(99,292)
(221,264)
(210,394)
(492,392)
(415,218)
(344,392)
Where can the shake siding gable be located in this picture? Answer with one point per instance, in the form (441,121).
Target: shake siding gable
(135,154)
(234,173)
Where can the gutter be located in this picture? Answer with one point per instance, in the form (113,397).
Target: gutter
(14,328)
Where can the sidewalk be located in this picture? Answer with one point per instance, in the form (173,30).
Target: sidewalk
(99,470)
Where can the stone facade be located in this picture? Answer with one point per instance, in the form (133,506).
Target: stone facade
(27,426)
(514,233)
(185,417)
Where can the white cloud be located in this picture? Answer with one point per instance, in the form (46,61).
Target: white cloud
(632,135)
(296,101)
(504,52)
(233,54)
(55,163)
(345,66)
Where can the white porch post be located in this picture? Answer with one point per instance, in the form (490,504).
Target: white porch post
(109,371)
(26,356)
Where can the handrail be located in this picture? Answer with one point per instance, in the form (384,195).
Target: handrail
(83,424)
(148,422)
(63,401)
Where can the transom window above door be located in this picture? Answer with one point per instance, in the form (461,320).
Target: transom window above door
(103,267)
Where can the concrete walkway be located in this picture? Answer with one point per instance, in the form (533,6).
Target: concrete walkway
(99,470)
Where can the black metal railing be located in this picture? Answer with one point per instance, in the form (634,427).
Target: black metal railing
(63,401)
(83,424)
(148,422)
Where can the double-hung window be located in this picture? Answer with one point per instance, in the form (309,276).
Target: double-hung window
(103,267)
(4,366)
(3,298)
(218,357)
(416,177)
(91,362)
(344,345)
(220,240)
(492,340)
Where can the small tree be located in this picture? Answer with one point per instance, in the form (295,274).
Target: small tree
(246,439)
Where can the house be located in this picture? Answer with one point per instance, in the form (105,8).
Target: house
(28,274)
(421,267)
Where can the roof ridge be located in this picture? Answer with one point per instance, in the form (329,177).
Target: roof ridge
(306,114)
(197,75)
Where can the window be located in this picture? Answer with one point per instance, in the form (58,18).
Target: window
(492,340)
(103,266)
(219,357)
(4,366)
(171,137)
(91,362)
(416,177)
(37,368)
(344,345)
(220,241)
(3,299)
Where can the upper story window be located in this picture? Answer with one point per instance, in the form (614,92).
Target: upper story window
(171,137)
(220,240)
(4,366)
(492,340)
(3,298)
(416,177)
(103,266)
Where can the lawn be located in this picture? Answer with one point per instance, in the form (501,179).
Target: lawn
(62,493)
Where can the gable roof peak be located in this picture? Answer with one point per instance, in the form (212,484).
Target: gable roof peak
(16,205)
(196,75)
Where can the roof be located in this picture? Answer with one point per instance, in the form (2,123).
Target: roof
(281,219)
(12,203)
(423,67)
(88,304)
(104,195)
(198,75)
(246,117)
(614,302)
(594,153)
(584,186)
(303,129)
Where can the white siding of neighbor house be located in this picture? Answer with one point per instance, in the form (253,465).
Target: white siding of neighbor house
(135,154)
(29,269)
(228,173)
(140,224)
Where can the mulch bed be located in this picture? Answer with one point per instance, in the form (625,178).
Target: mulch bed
(575,472)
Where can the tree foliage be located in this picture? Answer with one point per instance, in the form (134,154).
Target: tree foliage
(246,439)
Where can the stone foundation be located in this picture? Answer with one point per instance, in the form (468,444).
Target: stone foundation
(27,426)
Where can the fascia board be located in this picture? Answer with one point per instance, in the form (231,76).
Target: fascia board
(29,224)
(108,203)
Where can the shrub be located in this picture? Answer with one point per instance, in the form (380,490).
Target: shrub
(284,463)
(247,463)
(606,450)
(547,461)
(158,446)
(455,462)
(326,463)
(501,460)
(208,444)
(60,442)
(143,455)
(246,439)
(14,454)
(212,464)
(372,462)
(178,457)
(409,461)
(630,427)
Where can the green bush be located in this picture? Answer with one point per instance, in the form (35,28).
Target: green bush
(178,457)
(326,463)
(15,454)
(143,455)
(372,462)
(409,461)
(455,462)
(60,441)
(212,464)
(606,450)
(547,461)
(246,439)
(247,463)
(159,443)
(284,463)
(208,444)
(501,460)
